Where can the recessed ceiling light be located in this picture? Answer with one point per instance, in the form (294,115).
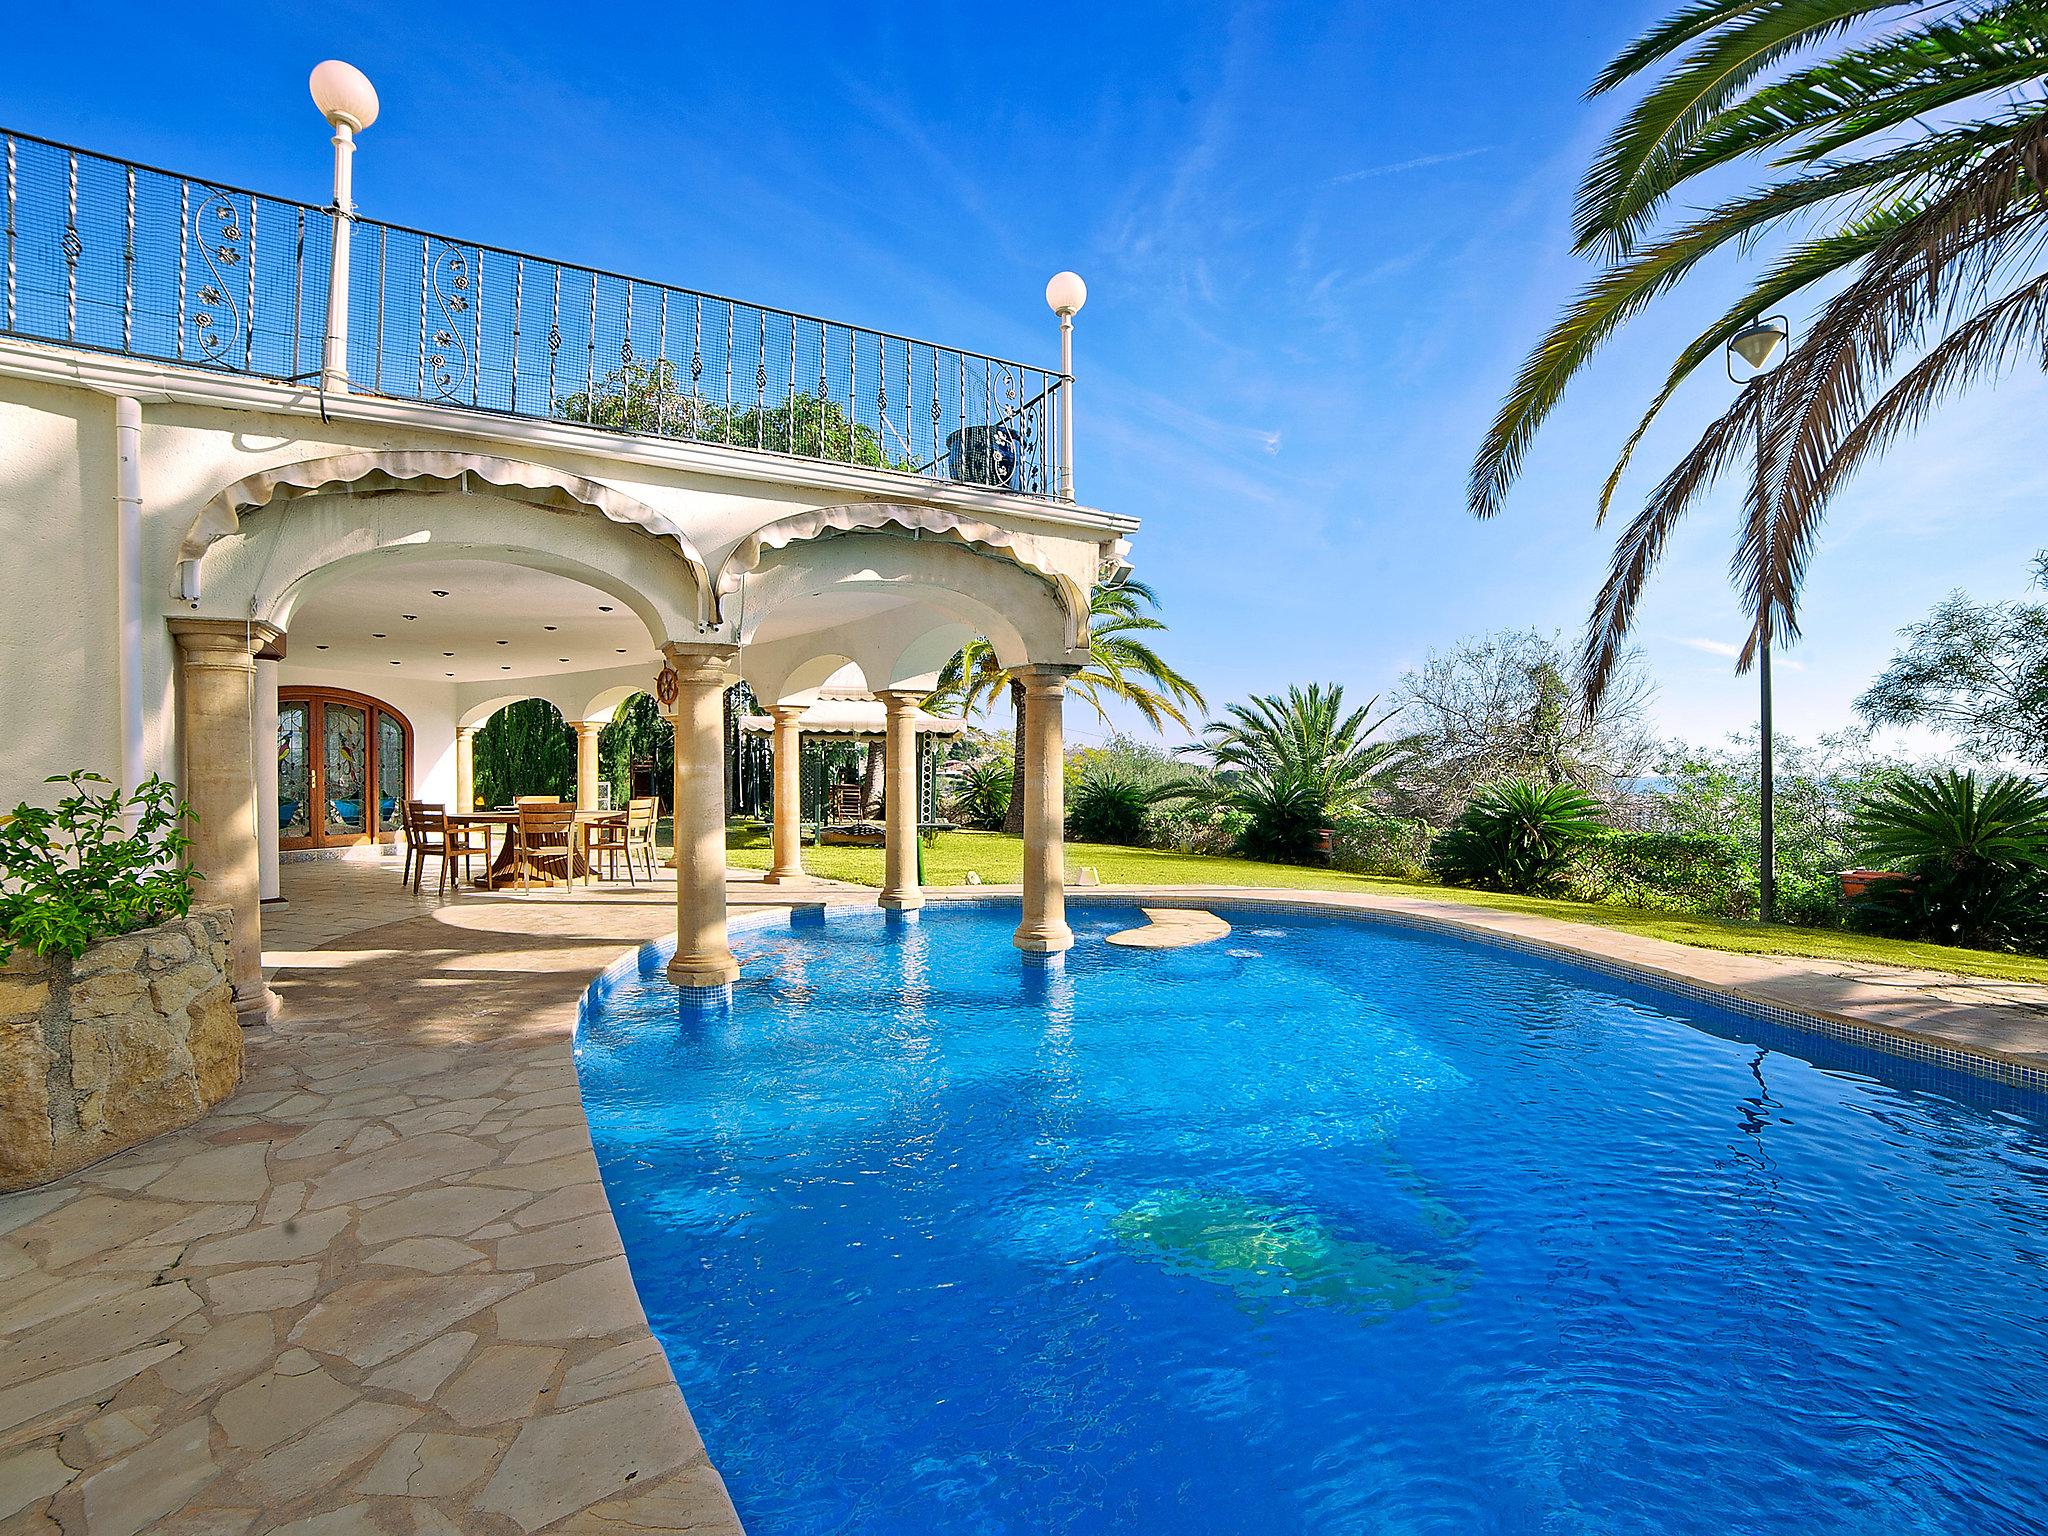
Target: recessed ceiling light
(561,658)
(408,617)
(319,647)
(447,653)
(451,674)
(504,642)
(376,637)
(440,594)
(551,628)
(622,650)
(394,663)
(504,669)
(604,608)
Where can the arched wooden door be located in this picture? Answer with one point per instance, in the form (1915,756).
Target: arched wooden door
(344,768)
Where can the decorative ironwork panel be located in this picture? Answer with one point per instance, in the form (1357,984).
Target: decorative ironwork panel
(107,255)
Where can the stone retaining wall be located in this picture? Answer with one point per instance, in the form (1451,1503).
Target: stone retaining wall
(135,1037)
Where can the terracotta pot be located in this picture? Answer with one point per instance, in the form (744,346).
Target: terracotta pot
(1858,882)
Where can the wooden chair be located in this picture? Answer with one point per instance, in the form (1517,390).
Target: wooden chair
(408,827)
(428,835)
(611,839)
(547,836)
(849,804)
(641,814)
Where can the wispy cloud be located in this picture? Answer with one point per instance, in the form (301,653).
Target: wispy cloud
(1420,162)
(1724,648)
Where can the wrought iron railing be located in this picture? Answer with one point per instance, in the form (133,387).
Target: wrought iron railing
(119,257)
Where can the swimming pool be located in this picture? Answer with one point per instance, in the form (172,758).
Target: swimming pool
(1330,1226)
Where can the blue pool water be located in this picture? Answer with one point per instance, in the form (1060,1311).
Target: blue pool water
(1327,1227)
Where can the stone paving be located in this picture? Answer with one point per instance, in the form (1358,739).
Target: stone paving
(379,1290)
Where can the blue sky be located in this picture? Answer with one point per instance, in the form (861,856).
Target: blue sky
(1317,239)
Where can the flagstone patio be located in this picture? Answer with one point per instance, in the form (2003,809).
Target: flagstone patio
(380,1289)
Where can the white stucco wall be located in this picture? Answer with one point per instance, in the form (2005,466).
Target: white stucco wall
(59,706)
(59,641)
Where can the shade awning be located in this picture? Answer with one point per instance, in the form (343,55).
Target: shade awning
(853,715)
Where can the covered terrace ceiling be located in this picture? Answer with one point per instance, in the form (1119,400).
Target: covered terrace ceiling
(464,621)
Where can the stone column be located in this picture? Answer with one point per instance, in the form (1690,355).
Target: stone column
(789,795)
(265,728)
(586,763)
(703,958)
(900,889)
(465,767)
(1044,929)
(216,726)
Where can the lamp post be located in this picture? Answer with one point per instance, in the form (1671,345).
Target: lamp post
(1759,344)
(1065,294)
(348,101)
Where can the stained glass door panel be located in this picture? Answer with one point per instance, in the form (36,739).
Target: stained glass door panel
(391,774)
(294,770)
(344,759)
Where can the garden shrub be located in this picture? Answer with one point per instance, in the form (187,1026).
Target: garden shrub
(1517,836)
(72,874)
(980,792)
(1676,871)
(1976,852)
(1108,806)
(1393,846)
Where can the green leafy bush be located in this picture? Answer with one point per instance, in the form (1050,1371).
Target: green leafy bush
(73,874)
(1108,806)
(1977,852)
(980,795)
(1395,846)
(1517,836)
(1671,871)
(1716,793)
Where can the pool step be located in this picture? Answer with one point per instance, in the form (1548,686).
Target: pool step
(1172,928)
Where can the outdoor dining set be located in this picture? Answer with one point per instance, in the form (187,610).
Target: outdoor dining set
(542,839)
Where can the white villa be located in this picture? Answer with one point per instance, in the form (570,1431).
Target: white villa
(298,500)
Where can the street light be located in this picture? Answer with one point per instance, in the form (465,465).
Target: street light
(1758,345)
(348,101)
(1065,295)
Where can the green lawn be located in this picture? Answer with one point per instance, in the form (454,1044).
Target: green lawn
(999,860)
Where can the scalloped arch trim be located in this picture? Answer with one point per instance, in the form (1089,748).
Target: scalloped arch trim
(869,516)
(536,484)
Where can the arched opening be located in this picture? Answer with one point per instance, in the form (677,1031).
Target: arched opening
(526,748)
(344,768)
(636,753)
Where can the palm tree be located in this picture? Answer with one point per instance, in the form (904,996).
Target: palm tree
(1122,665)
(1907,141)
(1292,763)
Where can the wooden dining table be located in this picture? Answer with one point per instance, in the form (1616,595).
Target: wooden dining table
(502,869)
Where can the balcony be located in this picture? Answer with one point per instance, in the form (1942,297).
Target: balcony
(112,256)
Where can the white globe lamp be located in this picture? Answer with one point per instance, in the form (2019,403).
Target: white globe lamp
(348,101)
(1065,294)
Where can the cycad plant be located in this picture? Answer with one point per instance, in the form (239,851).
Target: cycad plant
(1122,665)
(1293,764)
(1975,853)
(1517,836)
(981,792)
(1111,805)
(1900,154)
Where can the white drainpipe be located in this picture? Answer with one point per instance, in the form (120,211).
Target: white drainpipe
(128,581)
